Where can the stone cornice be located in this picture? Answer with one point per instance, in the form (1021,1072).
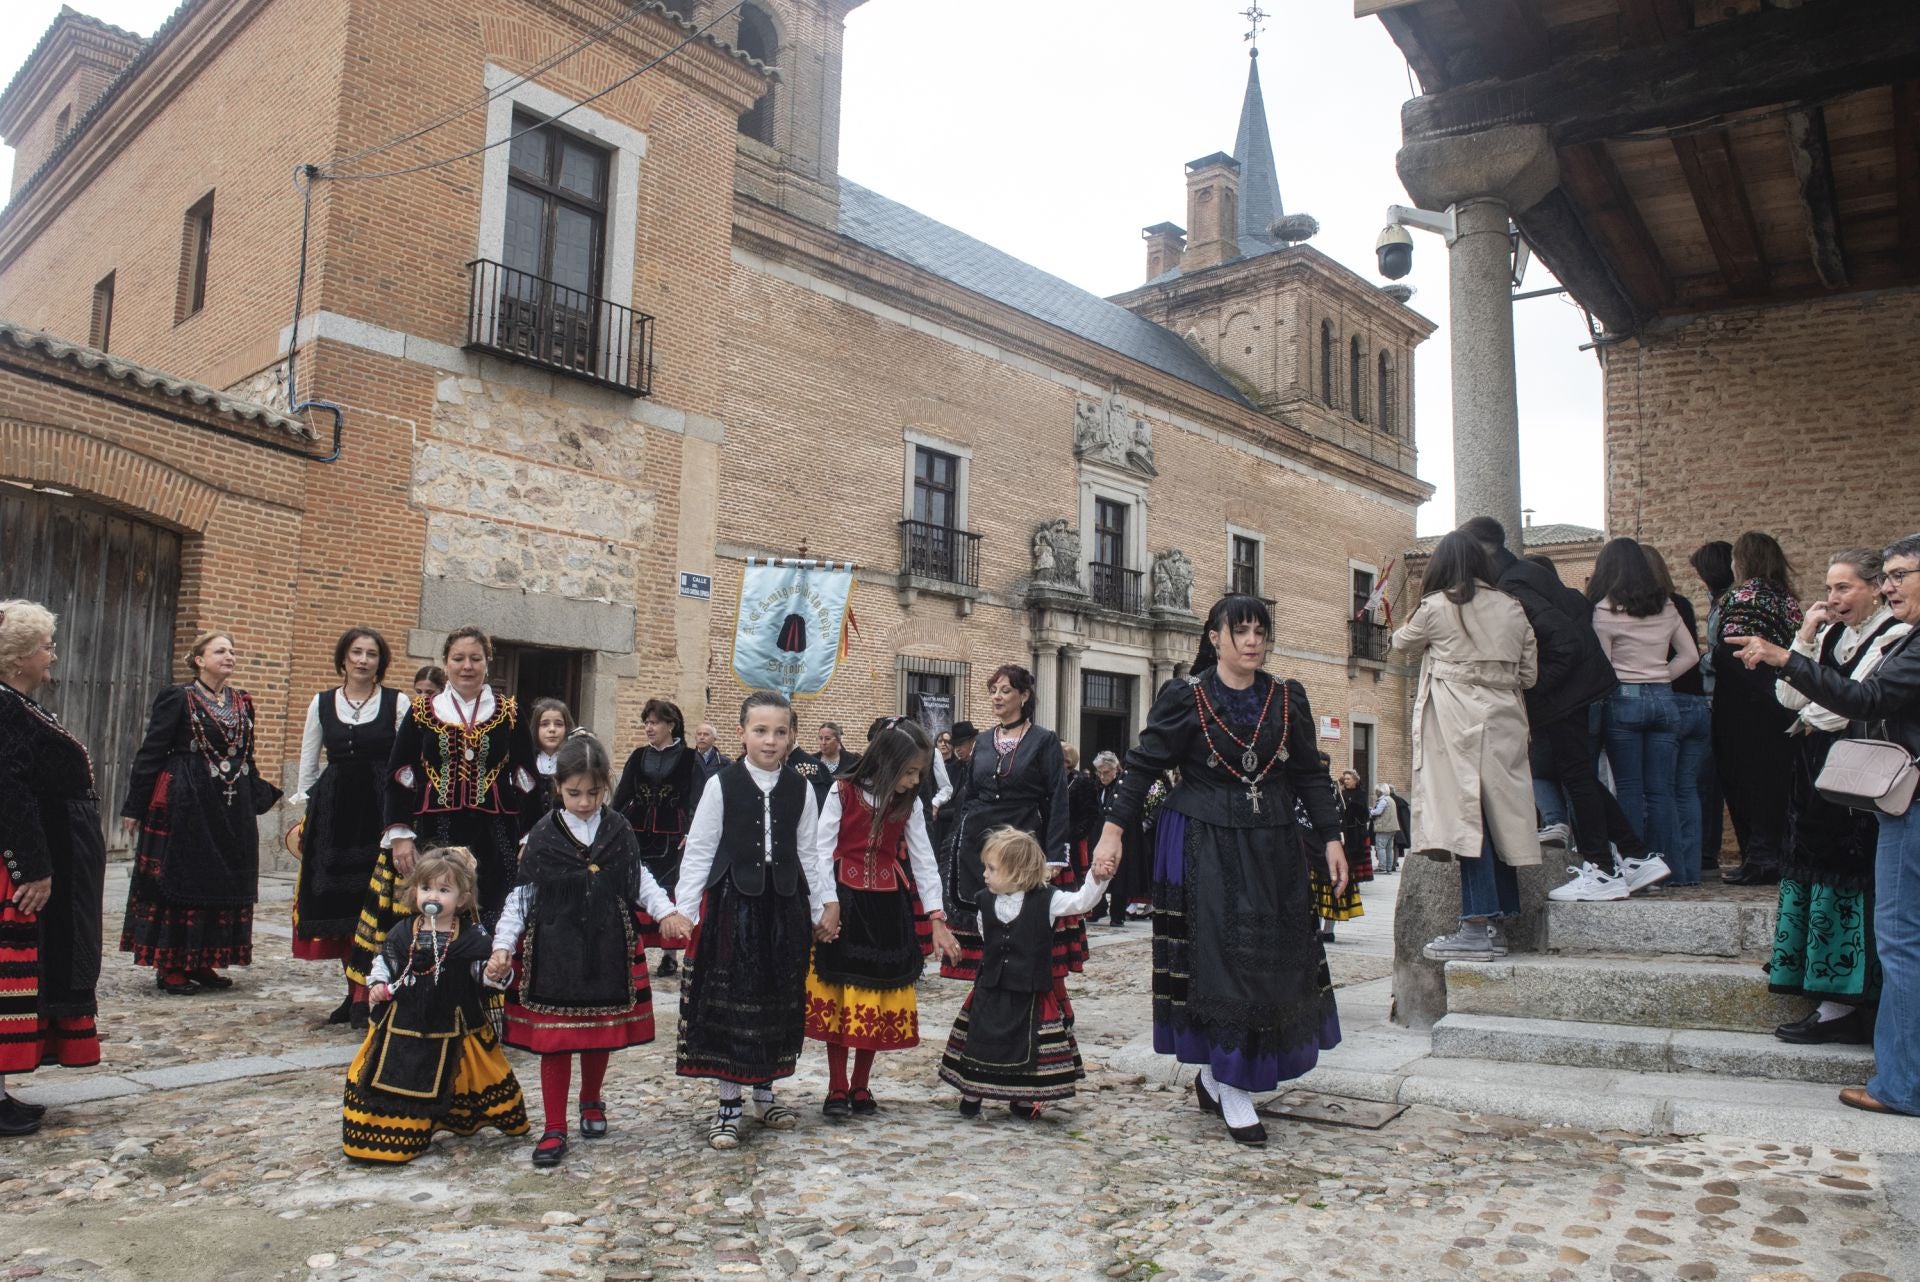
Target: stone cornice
(778,237)
(708,63)
(1297,264)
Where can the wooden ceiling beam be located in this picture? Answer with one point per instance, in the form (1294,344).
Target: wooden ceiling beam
(1813,167)
(1409,30)
(1606,207)
(1906,173)
(1509,33)
(1806,54)
(1555,232)
(1652,22)
(1720,196)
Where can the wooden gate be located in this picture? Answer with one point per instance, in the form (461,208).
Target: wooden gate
(114,583)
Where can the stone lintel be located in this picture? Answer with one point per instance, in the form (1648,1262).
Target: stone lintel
(535,618)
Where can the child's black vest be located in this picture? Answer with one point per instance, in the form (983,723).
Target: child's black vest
(743,847)
(1017,956)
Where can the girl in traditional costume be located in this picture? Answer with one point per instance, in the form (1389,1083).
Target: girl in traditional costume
(431,1060)
(657,792)
(193,795)
(570,923)
(753,884)
(860,989)
(353,726)
(1013,1038)
(1240,982)
(552,722)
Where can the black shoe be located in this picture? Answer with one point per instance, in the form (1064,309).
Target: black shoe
(15,1104)
(838,1106)
(1751,874)
(668,966)
(593,1119)
(1851,1029)
(357,1017)
(15,1120)
(1024,1111)
(207,977)
(969,1107)
(343,1012)
(1254,1135)
(1204,1098)
(864,1105)
(175,987)
(551,1148)
(1326,937)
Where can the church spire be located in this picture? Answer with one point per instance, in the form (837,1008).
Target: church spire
(1259,177)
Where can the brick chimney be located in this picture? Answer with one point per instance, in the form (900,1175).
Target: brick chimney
(1213,211)
(1166,242)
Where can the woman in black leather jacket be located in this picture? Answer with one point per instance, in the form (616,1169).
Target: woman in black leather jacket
(1240,983)
(1885,705)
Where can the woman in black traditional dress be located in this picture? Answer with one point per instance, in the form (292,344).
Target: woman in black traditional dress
(50,873)
(1240,982)
(354,724)
(194,796)
(461,771)
(657,793)
(1017,778)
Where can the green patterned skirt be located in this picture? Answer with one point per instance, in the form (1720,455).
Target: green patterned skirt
(1823,944)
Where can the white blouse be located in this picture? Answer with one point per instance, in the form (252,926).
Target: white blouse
(313,739)
(513,914)
(703,841)
(926,869)
(1066,903)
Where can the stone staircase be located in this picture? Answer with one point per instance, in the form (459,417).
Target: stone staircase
(1663,983)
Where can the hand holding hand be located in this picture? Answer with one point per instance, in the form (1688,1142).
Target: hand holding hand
(379,994)
(128,824)
(403,856)
(675,928)
(33,896)
(1104,866)
(499,966)
(1108,847)
(944,943)
(829,928)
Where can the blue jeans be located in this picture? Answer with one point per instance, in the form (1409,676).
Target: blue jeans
(1694,733)
(1488,888)
(1642,744)
(1896,924)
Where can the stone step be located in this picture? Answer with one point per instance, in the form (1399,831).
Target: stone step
(1660,992)
(1647,1050)
(1693,927)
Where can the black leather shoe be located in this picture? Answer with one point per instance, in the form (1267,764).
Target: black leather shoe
(593,1119)
(343,1012)
(1749,874)
(357,1017)
(1204,1098)
(18,1105)
(176,987)
(1024,1111)
(668,966)
(864,1105)
(207,977)
(16,1121)
(838,1106)
(969,1107)
(551,1148)
(1851,1029)
(1253,1135)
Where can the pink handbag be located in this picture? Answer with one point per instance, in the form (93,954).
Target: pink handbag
(1869,774)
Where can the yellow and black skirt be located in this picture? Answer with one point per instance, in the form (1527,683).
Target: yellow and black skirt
(393,1108)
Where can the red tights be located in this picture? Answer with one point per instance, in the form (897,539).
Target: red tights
(837,1069)
(556,1083)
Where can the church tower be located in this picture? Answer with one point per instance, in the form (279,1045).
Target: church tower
(789,144)
(1308,341)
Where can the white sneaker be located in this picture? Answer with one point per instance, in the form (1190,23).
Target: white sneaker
(1589,885)
(1556,837)
(1641,873)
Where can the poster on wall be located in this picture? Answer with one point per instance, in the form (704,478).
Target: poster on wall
(934,712)
(792,624)
(1329,727)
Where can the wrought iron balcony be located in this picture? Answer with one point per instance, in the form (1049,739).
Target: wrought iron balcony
(940,552)
(527,318)
(1371,641)
(1116,587)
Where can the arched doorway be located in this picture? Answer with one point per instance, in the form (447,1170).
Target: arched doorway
(114,582)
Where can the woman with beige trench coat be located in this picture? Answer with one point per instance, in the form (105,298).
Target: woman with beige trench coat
(1472,786)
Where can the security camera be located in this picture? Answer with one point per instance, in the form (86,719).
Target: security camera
(1395,251)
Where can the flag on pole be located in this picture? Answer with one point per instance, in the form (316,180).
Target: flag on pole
(791,628)
(1377,599)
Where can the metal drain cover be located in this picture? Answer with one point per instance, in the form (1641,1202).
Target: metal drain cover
(1310,1106)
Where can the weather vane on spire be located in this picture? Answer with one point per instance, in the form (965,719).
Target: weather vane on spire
(1255,17)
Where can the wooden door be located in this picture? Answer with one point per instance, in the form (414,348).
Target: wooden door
(115,584)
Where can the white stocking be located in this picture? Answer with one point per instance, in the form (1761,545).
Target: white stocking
(1834,1010)
(1236,1106)
(730,1093)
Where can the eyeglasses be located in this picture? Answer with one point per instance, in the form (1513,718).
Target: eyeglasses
(1894,578)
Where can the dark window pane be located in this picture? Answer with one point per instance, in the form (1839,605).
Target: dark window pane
(575,237)
(526,228)
(582,170)
(528,151)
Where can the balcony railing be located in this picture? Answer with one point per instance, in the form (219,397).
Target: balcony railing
(528,318)
(1371,641)
(940,552)
(1115,587)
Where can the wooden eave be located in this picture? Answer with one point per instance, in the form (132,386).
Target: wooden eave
(777,236)
(1713,153)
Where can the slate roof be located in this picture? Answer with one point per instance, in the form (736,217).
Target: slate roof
(153,380)
(910,236)
(1534,536)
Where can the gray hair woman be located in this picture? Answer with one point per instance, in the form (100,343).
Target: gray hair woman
(51,872)
(1888,701)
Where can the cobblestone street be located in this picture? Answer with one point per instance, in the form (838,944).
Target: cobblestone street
(210,1149)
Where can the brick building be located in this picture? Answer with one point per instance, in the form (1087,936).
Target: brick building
(587,330)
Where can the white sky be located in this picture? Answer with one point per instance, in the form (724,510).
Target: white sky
(1057,129)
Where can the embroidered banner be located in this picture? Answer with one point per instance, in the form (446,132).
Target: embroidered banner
(792,624)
